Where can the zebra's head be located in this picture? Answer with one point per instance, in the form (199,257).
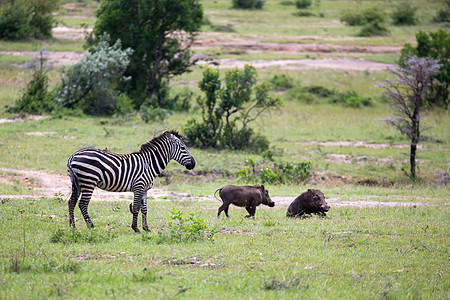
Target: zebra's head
(180,152)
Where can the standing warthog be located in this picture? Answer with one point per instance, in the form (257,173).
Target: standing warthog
(310,202)
(244,196)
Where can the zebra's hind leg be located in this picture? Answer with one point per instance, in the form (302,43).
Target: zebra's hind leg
(144,212)
(72,203)
(86,195)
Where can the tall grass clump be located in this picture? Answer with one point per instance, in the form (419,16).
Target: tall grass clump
(73,236)
(183,229)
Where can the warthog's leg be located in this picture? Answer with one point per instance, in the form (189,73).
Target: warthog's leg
(251,209)
(224,207)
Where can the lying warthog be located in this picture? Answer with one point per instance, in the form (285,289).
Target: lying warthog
(310,202)
(244,196)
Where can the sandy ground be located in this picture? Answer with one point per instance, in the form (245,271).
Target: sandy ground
(41,184)
(338,57)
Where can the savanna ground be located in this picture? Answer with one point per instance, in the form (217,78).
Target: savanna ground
(384,237)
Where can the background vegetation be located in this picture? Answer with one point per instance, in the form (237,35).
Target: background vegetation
(330,129)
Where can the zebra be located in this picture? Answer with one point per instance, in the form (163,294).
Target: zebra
(89,168)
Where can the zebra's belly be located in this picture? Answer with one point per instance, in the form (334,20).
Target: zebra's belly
(114,188)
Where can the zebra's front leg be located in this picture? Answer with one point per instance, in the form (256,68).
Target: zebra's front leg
(144,212)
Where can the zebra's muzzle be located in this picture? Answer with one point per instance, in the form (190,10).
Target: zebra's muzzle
(191,165)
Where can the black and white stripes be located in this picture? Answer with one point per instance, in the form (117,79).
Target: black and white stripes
(89,168)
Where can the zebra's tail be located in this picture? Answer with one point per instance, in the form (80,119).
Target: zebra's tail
(74,179)
(218,190)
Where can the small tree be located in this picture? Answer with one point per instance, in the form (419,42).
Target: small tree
(36,98)
(227,110)
(160,33)
(91,83)
(435,45)
(406,94)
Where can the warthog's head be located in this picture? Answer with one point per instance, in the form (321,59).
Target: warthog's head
(319,200)
(265,197)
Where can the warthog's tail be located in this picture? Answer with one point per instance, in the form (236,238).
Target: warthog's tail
(218,190)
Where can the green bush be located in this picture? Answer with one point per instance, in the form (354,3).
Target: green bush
(281,82)
(36,98)
(443,14)
(92,84)
(372,19)
(183,229)
(273,172)
(248,4)
(404,14)
(21,19)
(227,110)
(301,4)
(350,99)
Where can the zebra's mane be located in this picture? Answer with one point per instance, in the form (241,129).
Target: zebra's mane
(155,140)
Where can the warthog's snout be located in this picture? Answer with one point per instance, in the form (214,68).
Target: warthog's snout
(272,204)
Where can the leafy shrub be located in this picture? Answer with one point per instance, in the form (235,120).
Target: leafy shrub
(301,4)
(274,173)
(227,110)
(320,91)
(91,236)
(303,13)
(352,17)
(281,82)
(183,229)
(92,84)
(20,19)
(350,99)
(372,19)
(36,98)
(443,14)
(248,4)
(404,14)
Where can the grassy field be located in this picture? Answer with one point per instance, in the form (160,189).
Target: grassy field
(357,252)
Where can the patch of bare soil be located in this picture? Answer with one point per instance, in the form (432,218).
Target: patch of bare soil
(62,32)
(356,144)
(63,58)
(50,185)
(28,118)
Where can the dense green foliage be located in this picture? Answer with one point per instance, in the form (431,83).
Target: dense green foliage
(404,14)
(183,229)
(21,19)
(248,4)
(435,45)
(273,172)
(36,99)
(153,30)
(372,20)
(227,110)
(92,83)
(301,4)
(443,14)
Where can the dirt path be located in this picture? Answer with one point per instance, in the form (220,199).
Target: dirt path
(41,184)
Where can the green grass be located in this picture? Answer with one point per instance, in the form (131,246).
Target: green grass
(354,253)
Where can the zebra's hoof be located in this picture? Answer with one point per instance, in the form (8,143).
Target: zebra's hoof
(135,229)
(146,229)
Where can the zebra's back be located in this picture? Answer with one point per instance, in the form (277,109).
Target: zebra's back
(106,170)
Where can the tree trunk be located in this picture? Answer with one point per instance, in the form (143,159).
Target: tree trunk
(412,160)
